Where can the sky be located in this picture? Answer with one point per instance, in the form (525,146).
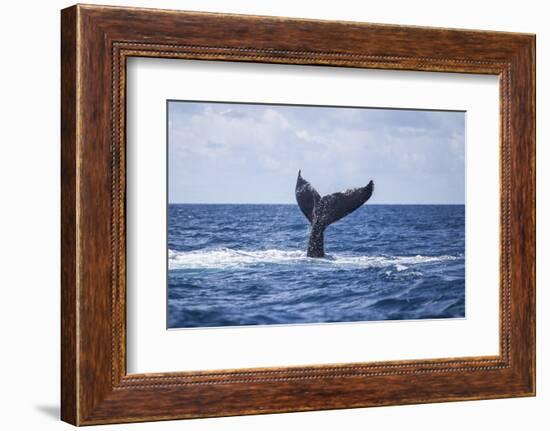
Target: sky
(251,153)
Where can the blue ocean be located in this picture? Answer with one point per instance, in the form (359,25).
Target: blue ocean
(231,265)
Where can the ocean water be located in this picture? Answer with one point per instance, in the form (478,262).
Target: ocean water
(231,265)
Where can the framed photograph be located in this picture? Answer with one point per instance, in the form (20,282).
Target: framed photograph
(264,214)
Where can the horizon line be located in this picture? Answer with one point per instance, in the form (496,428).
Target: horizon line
(295,204)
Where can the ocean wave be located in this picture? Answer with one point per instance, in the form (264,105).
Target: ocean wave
(223,258)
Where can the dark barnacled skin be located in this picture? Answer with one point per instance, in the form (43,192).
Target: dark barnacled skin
(322,211)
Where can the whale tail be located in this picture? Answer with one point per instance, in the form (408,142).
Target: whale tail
(322,211)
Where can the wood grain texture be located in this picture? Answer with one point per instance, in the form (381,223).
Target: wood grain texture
(96,41)
(69,366)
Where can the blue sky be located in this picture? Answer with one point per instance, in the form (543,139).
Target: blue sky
(245,153)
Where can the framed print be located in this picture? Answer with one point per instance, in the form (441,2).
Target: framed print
(266,215)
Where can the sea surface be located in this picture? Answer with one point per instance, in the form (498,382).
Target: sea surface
(231,265)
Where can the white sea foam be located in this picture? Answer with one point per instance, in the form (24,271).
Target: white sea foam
(229,258)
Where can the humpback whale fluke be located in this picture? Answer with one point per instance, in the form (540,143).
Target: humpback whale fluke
(322,211)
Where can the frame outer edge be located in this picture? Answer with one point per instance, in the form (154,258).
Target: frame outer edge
(523,183)
(69,201)
(533,53)
(530,63)
(532,101)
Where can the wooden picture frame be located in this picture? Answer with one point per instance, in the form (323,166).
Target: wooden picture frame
(95,43)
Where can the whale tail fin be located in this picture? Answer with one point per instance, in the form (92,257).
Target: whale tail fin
(338,205)
(322,211)
(306,196)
